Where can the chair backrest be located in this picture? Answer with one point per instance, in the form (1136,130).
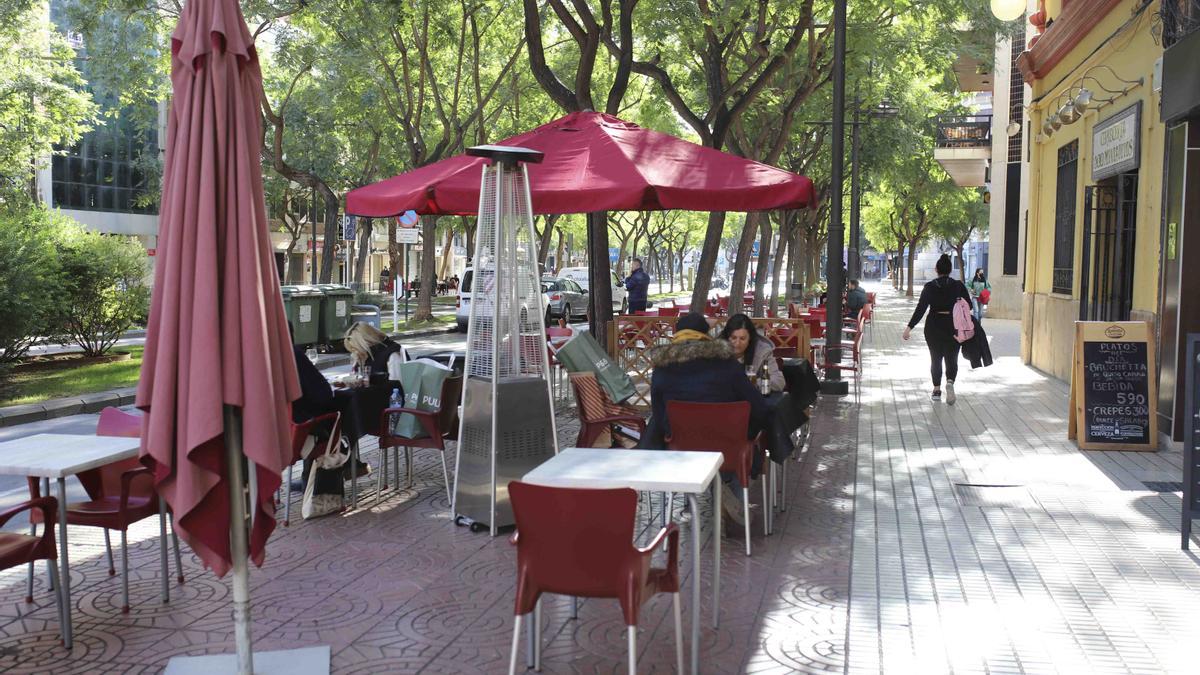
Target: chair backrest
(301,431)
(555,331)
(593,403)
(573,541)
(668,311)
(105,481)
(451,396)
(117,422)
(707,426)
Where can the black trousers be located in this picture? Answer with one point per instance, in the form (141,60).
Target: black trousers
(637,306)
(943,349)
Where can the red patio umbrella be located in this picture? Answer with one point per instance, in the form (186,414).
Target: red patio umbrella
(217,356)
(596,162)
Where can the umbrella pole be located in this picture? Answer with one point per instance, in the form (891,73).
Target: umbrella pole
(238,538)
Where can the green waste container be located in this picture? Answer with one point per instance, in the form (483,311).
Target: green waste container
(336,315)
(303,307)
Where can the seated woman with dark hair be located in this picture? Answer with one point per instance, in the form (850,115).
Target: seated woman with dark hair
(696,368)
(754,351)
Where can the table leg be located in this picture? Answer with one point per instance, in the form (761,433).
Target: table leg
(64,582)
(716,552)
(354,475)
(696,530)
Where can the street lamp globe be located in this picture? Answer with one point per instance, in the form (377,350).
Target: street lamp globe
(1008,10)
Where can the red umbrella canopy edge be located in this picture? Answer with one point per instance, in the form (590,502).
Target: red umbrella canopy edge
(597,162)
(217,333)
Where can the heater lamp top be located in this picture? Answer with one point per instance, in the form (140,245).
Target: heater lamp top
(506,153)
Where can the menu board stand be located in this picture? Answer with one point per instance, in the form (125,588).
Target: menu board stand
(1113,386)
(1191,440)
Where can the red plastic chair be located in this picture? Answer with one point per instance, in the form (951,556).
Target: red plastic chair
(718,426)
(20,549)
(119,495)
(440,425)
(580,543)
(300,434)
(855,365)
(597,413)
(668,311)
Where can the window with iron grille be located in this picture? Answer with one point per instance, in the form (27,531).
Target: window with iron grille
(1016,98)
(1066,190)
(1013,171)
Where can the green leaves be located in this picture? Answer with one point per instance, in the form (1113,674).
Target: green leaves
(41,99)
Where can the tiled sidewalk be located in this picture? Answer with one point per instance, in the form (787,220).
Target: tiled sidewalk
(882,563)
(395,587)
(1075,568)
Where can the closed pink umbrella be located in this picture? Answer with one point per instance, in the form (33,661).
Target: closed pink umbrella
(218,355)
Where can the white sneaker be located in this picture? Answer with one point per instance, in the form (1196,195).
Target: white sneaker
(950,397)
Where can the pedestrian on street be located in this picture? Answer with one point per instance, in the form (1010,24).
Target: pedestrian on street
(938,297)
(977,285)
(638,285)
(385,278)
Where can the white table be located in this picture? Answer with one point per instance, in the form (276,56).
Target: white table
(687,472)
(58,456)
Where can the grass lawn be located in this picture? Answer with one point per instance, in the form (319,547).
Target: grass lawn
(34,386)
(437,322)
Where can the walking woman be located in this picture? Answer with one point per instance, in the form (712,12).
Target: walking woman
(938,296)
(977,285)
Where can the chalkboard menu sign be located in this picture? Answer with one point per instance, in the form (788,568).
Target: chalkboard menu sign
(1191,438)
(1113,391)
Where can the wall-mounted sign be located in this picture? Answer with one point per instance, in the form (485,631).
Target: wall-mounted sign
(1113,388)
(1116,143)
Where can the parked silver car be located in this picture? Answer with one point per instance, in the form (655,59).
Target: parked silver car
(564,299)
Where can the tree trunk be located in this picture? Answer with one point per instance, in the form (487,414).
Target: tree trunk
(777,269)
(287,262)
(444,269)
(813,269)
(328,251)
(962,262)
(394,256)
(544,238)
(708,260)
(912,259)
(559,252)
(797,256)
(365,226)
(599,275)
(761,269)
(741,263)
(469,225)
(428,261)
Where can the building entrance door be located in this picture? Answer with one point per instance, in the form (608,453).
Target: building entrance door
(1109,226)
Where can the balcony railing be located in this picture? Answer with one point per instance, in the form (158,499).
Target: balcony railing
(967,131)
(1179,18)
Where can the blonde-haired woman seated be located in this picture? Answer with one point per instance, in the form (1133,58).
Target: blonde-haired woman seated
(375,353)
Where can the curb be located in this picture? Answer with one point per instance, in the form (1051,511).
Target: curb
(95,402)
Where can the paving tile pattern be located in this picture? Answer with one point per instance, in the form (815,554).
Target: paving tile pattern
(1082,575)
(395,587)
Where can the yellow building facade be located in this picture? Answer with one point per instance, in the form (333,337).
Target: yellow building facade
(1095,151)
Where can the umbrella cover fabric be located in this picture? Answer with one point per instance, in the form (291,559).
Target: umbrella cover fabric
(217,333)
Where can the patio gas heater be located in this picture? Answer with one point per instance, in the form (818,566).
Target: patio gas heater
(507,422)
